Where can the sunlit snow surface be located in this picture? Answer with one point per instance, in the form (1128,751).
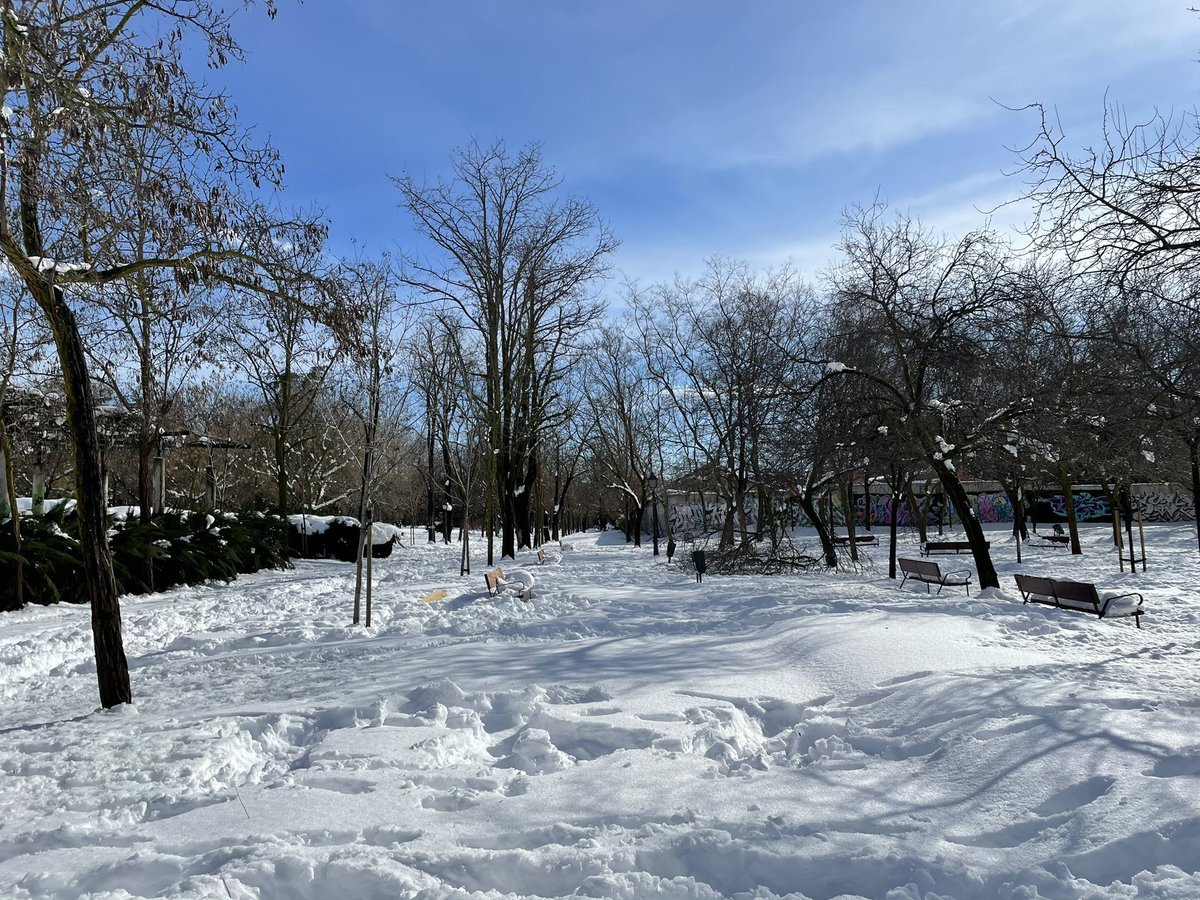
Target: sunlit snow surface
(628,733)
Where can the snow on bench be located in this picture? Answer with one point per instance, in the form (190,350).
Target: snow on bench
(948,547)
(1079,596)
(1056,539)
(520,581)
(840,539)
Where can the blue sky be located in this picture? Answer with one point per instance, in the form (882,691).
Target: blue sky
(700,127)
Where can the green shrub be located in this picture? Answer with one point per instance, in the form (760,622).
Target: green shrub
(171,549)
(53,570)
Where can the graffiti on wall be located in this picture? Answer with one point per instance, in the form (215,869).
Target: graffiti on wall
(1161,503)
(1089,507)
(695,515)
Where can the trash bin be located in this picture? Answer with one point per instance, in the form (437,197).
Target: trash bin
(698,561)
(670,550)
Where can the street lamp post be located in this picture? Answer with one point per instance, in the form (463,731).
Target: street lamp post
(652,483)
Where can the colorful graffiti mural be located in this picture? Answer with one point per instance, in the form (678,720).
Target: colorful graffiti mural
(1089,507)
(693,515)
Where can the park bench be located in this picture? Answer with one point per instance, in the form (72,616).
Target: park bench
(930,573)
(839,539)
(1060,540)
(931,547)
(541,557)
(496,582)
(1080,596)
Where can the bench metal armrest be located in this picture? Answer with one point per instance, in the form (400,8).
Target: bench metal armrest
(960,573)
(1107,600)
(1140,598)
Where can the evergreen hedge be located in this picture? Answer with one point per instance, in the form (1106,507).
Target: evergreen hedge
(171,549)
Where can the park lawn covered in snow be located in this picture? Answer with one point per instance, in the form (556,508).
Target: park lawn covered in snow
(628,733)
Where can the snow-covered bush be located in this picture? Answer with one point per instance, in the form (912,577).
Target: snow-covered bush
(171,549)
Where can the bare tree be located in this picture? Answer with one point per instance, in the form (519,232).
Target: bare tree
(513,261)
(915,319)
(622,433)
(286,353)
(1130,203)
(375,391)
(82,80)
(713,345)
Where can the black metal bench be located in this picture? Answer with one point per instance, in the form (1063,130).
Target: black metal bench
(840,539)
(930,573)
(1056,539)
(931,547)
(1079,596)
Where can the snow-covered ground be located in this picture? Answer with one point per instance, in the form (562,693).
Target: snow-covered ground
(628,733)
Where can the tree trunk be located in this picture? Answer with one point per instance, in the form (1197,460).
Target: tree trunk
(432,531)
(727,528)
(281,479)
(739,500)
(504,490)
(1194,452)
(370,557)
(866,501)
(112,668)
(892,517)
(1111,495)
(851,519)
(828,551)
(1013,492)
(919,514)
(523,503)
(8,506)
(1069,503)
(146,496)
(978,540)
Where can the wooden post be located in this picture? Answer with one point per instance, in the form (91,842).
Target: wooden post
(158,481)
(1116,513)
(39,489)
(210,488)
(1141,535)
(1129,530)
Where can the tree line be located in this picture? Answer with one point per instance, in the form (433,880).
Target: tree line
(162,298)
